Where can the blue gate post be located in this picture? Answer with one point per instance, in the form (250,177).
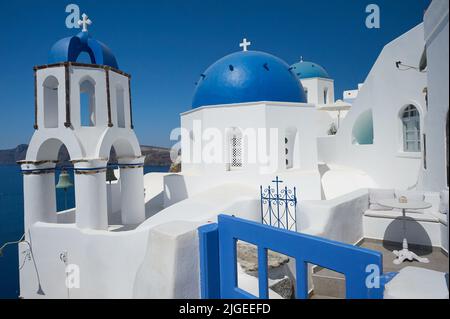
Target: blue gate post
(209,261)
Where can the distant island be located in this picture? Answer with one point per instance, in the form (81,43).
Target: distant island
(154,156)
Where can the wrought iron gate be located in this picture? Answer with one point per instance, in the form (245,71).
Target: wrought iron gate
(279,206)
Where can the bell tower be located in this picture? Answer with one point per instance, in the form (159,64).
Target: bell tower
(87,108)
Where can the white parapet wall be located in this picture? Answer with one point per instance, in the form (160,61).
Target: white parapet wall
(107,262)
(171,265)
(178,187)
(338,219)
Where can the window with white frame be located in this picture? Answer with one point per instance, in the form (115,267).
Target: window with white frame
(236,151)
(411,129)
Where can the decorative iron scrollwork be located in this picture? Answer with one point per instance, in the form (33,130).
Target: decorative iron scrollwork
(279,206)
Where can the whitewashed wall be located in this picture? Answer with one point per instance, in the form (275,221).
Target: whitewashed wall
(436,38)
(316,87)
(292,120)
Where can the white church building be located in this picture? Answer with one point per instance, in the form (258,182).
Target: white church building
(252,117)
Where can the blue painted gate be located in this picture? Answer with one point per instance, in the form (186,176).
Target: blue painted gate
(218,259)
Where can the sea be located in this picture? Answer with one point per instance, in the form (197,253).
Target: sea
(11,222)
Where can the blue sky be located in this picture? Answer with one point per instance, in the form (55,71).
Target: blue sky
(166,45)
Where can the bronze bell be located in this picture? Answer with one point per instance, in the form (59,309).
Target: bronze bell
(110,177)
(64,181)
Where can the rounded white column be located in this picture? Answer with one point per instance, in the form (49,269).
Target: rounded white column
(39,193)
(132,192)
(90,195)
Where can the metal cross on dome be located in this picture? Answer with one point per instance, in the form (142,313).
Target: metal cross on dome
(85,22)
(244,44)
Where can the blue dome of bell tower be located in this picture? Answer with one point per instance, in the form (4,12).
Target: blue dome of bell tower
(69,49)
(248,76)
(307,70)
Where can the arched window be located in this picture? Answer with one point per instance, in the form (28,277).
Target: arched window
(306,94)
(87,102)
(325,96)
(236,153)
(50,88)
(411,129)
(120,102)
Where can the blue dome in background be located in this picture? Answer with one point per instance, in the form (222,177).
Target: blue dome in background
(68,50)
(248,76)
(306,70)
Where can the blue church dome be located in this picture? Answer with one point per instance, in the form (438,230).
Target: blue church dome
(68,50)
(306,70)
(248,76)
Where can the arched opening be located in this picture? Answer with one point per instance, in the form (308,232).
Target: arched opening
(64,183)
(120,103)
(362,132)
(411,136)
(58,186)
(113,195)
(50,88)
(235,142)
(87,102)
(325,96)
(306,93)
(125,185)
(290,140)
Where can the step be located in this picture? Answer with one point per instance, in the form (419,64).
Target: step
(328,283)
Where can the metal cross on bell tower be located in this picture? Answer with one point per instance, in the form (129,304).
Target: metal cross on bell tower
(85,22)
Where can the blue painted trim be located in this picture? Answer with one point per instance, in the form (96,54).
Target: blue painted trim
(90,168)
(68,168)
(38,170)
(120,165)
